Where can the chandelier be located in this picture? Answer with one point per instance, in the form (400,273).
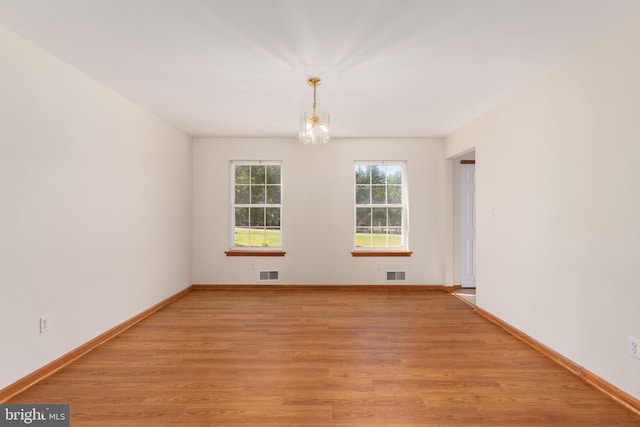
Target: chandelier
(314,127)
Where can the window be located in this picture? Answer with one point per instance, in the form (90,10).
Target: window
(257,205)
(380,205)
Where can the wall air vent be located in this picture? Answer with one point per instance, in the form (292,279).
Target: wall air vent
(394,276)
(268,276)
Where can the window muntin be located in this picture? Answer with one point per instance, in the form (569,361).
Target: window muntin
(380,205)
(257,205)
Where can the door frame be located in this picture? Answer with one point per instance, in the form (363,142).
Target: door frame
(451,202)
(465,281)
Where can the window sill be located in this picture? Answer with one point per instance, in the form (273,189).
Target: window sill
(380,253)
(255,253)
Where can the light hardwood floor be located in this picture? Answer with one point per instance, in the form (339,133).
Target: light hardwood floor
(322,358)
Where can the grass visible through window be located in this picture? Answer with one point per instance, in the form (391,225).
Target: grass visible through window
(378,240)
(257,237)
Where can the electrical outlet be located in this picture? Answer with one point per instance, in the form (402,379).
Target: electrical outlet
(44,323)
(634,347)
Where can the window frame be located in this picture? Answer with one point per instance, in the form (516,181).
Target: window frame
(402,250)
(253,250)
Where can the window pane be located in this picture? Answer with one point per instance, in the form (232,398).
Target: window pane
(273,217)
(378,194)
(363,217)
(394,174)
(396,231)
(378,174)
(379,239)
(242,194)
(257,237)
(363,237)
(242,174)
(363,175)
(241,237)
(395,217)
(394,194)
(257,174)
(273,237)
(273,174)
(256,217)
(242,217)
(379,217)
(395,237)
(273,194)
(257,194)
(362,194)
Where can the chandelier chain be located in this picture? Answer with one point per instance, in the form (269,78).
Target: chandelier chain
(314,98)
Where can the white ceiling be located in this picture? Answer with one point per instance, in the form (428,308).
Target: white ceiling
(398,68)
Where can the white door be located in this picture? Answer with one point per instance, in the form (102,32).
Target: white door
(468,224)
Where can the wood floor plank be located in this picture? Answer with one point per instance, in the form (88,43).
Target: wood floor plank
(321,358)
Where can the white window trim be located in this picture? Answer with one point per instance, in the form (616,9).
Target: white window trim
(405,206)
(232,189)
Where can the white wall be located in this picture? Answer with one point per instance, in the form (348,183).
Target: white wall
(558,164)
(95,210)
(318,211)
